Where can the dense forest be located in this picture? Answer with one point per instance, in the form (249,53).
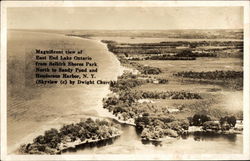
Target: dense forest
(230,79)
(220,75)
(54,141)
(176,50)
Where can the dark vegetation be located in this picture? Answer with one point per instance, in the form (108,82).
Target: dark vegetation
(231,79)
(160,127)
(82,36)
(176,50)
(198,120)
(54,141)
(127,97)
(165,57)
(190,54)
(145,69)
(129,81)
(230,120)
(153,123)
(125,84)
(215,75)
(224,124)
(170,95)
(157,128)
(127,107)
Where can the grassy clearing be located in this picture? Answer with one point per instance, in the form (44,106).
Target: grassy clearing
(216,98)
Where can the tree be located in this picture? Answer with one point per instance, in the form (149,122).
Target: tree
(145,114)
(146,134)
(210,125)
(205,118)
(141,122)
(185,53)
(231,121)
(198,120)
(223,120)
(51,134)
(40,139)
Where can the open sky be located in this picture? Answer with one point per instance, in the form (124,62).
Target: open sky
(125,18)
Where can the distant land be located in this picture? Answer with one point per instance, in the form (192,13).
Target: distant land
(180,33)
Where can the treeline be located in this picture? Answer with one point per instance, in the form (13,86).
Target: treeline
(168,47)
(171,50)
(189,53)
(129,81)
(164,57)
(126,105)
(149,70)
(54,141)
(156,128)
(170,94)
(185,43)
(125,84)
(143,69)
(116,48)
(214,75)
(230,79)
(225,123)
(83,36)
(181,55)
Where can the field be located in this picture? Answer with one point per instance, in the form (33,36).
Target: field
(172,83)
(218,96)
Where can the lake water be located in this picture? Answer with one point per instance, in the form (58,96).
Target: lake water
(197,143)
(33,110)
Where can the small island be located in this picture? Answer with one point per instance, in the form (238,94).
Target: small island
(69,136)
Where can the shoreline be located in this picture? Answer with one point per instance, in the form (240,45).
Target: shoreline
(68,145)
(58,141)
(77,143)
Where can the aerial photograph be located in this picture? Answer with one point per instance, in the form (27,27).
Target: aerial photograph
(125,80)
